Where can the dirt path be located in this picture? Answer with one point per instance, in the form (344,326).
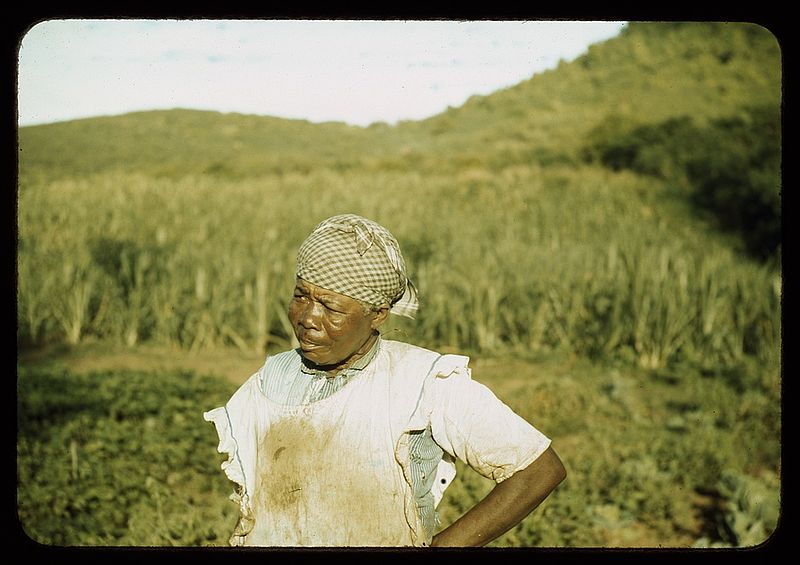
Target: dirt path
(233,364)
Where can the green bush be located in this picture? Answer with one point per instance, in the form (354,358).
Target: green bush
(661,150)
(731,168)
(736,176)
(752,510)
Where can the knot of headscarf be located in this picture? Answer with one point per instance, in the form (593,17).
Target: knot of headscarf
(361,259)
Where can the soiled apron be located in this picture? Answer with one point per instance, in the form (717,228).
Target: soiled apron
(327,473)
(334,472)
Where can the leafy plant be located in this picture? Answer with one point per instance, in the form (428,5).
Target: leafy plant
(119,459)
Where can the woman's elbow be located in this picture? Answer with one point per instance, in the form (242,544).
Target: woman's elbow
(556,469)
(561,473)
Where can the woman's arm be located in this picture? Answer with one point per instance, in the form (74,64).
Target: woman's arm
(506,505)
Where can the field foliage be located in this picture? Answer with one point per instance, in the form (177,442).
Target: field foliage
(622,212)
(123,458)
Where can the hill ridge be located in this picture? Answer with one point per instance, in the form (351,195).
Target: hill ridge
(650,72)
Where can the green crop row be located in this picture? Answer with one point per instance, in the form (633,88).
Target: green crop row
(522,261)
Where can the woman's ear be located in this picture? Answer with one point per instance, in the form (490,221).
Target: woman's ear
(379,317)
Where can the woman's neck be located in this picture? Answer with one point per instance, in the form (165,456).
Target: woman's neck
(366,347)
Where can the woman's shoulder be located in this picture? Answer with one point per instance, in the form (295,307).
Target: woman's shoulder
(403,348)
(414,353)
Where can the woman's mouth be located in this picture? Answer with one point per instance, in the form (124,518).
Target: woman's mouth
(306,344)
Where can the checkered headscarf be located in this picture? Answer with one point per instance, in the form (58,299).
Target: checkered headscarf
(359,258)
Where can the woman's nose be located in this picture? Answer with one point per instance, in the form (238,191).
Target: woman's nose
(310,315)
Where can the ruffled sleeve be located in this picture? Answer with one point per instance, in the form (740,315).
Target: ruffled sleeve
(233,467)
(238,426)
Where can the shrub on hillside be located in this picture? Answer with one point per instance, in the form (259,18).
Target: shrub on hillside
(736,175)
(732,167)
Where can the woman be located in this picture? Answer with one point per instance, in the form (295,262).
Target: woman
(351,439)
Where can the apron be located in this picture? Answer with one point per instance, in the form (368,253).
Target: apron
(334,472)
(327,475)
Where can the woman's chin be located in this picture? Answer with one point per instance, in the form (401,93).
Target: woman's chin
(315,357)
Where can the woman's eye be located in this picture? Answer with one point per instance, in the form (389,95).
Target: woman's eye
(333,309)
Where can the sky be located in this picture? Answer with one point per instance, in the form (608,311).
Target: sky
(352,71)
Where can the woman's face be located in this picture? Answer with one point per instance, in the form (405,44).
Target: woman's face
(331,328)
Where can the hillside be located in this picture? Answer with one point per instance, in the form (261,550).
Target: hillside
(650,73)
(177,142)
